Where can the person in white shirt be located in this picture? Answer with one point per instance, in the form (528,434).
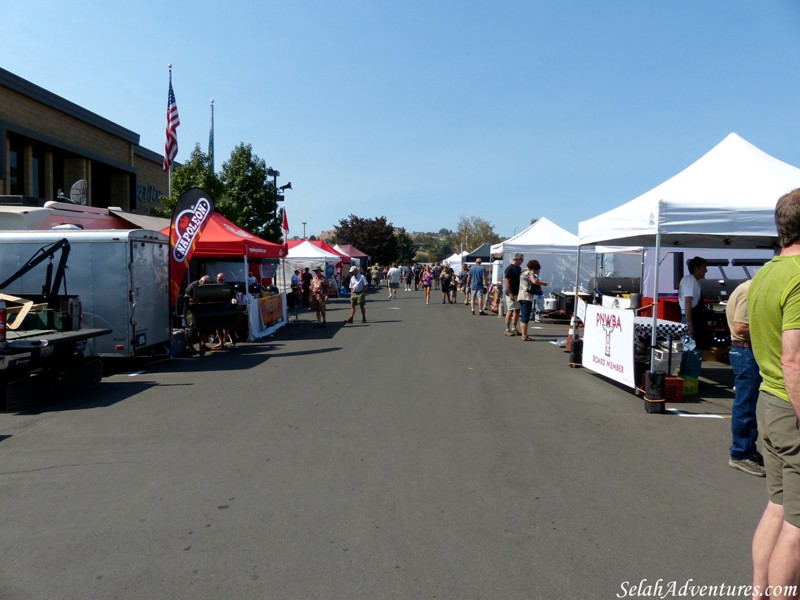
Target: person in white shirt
(393,278)
(358,294)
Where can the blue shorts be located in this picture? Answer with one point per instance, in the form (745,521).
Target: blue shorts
(525,310)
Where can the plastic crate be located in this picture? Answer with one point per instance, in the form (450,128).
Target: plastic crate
(673,388)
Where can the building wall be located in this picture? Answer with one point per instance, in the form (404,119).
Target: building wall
(47,143)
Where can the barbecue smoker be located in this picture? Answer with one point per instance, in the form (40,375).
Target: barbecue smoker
(212,307)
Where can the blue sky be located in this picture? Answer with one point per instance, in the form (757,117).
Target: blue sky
(425,111)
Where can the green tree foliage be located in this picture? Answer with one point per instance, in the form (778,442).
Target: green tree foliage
(250,198)
(472,232)
(432,248)
(406,248)
(374,237)
(196,172)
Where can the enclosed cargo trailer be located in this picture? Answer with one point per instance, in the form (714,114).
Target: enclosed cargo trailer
(121,277)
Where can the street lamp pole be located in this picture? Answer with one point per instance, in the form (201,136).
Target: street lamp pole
(304,230)
(277,190)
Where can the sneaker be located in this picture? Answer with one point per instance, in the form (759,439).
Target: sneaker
(749,466)
(757,458)
(483,312)
(473,312)
(364,320)
(516,332)
(508,332)
(350,320)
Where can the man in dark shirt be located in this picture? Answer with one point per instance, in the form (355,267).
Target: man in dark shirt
(511,287)
(306,278)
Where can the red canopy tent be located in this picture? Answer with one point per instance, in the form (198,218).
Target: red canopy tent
(223,239)
(323,245)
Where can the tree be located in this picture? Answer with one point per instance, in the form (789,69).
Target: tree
(196,172)
(406,248)
(250,199)
(374,237)
(432,248)
(474,231)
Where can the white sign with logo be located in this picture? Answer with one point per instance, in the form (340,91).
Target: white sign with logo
(608,343)
(615,302)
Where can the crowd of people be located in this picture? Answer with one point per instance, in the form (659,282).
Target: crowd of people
(520,290)
(763,316)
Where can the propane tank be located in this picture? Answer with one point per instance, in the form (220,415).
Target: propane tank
(2,324)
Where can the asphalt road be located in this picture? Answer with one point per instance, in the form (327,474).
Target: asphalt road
(420,455)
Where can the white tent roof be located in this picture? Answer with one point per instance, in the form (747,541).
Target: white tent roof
(542,236)
(556,250)
(726,198)
(308,251)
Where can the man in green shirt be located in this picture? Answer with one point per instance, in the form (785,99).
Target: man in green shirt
(774,307)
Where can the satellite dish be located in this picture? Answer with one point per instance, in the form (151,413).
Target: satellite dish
(78,191)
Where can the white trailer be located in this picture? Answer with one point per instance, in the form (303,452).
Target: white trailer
(121,276)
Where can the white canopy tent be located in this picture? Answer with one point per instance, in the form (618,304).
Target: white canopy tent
(726,199)
(455,261)
(301,256)
(556,250)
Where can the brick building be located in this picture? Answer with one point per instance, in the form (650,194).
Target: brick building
(48,143)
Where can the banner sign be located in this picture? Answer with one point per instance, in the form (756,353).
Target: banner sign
(189,218)
(608,343)
(271,309)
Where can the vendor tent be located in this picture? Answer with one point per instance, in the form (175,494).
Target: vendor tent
(322,245)
(483,252)
(455,261)
(302,255)
(556,250)
(356,255)
(223,239)
(726,198)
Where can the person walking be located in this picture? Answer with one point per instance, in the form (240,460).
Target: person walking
(393,279)
(358,294)
(744,429)
(437,272)
(511,278)
(773,305)
(463,278)
(444,284)
(409,277)
(476,283)
(319,296)
(426,280)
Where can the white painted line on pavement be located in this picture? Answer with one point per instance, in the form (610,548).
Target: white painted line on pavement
(680,413)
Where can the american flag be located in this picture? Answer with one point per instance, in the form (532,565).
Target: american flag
(173,120)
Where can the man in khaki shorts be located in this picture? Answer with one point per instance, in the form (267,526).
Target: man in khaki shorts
(774,311)
(358,294)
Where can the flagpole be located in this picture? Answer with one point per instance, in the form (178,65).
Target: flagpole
(169,172)
(211,140)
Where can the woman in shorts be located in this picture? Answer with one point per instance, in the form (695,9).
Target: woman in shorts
(426,280)
(444,284)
